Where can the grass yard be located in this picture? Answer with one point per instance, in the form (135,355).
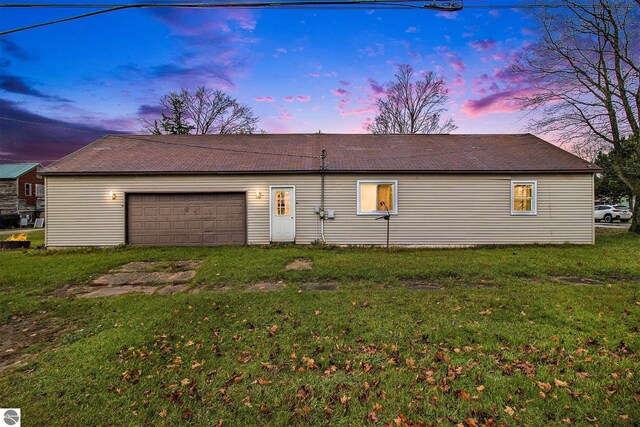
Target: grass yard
(503,337)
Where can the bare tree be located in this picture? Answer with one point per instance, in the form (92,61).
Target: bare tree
(585,78)
(204,111)
(413,105)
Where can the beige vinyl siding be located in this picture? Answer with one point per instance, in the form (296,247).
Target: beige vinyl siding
(442,210)
(433,210)
(80,211)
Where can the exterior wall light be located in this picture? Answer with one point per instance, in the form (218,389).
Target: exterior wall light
(258,194)
(114,196)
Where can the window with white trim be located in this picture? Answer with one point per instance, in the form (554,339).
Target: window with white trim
(28,191)
(523,197)
(376,197)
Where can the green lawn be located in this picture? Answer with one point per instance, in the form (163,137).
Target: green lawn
(504,342)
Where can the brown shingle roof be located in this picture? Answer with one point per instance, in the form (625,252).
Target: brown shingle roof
(285,153)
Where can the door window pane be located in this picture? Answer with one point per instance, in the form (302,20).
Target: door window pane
(283,202)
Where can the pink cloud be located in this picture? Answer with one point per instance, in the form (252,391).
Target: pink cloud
(483,45)
(281,50)
(499,102)
(344,83)
(357,112)
(304,98)
(411,30)
(375,87)
(353,112)
(494,13)
(339,92)
(264,99)
(447,15)
(314,75)
(507,76)
(457,85)
(288,99)
(285,116)
(372,51)
(455,61)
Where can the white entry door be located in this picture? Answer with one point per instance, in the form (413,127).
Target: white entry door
(283,214)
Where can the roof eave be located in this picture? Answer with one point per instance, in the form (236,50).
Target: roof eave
(318,172)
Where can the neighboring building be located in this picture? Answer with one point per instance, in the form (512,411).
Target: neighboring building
(21,190)
(441,190)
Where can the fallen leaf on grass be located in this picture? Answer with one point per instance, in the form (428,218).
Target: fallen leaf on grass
(480,388)
(509,410)
(163,413)
(272,330)
(464,395)
(344,400)
(262,381)
(186,415)
(264,409)
(544,386)
(471,422)
(372,417)
(559,383)
(486,312)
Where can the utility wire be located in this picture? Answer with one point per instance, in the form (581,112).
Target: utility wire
(440,5)
(55,125)
(469,149)
(207,147)
(151,139)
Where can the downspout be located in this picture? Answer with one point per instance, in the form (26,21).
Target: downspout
(322,169)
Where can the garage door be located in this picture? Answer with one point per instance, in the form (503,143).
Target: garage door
(205,219)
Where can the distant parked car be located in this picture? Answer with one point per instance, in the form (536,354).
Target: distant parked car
(608,213)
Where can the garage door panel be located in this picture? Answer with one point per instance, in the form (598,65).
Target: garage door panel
(187,219)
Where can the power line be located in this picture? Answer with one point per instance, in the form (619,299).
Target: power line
(441,5)
(52,125)
(206,147)
(468,149)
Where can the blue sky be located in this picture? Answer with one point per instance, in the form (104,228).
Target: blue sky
(301,70)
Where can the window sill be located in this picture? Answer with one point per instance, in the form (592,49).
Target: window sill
(376,213)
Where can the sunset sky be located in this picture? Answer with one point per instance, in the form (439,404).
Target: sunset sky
(302,70)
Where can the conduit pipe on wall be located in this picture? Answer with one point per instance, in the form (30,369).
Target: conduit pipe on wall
(323,167)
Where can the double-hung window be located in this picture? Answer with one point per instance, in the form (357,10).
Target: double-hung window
(28,190)
(524,198)
(377,197)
